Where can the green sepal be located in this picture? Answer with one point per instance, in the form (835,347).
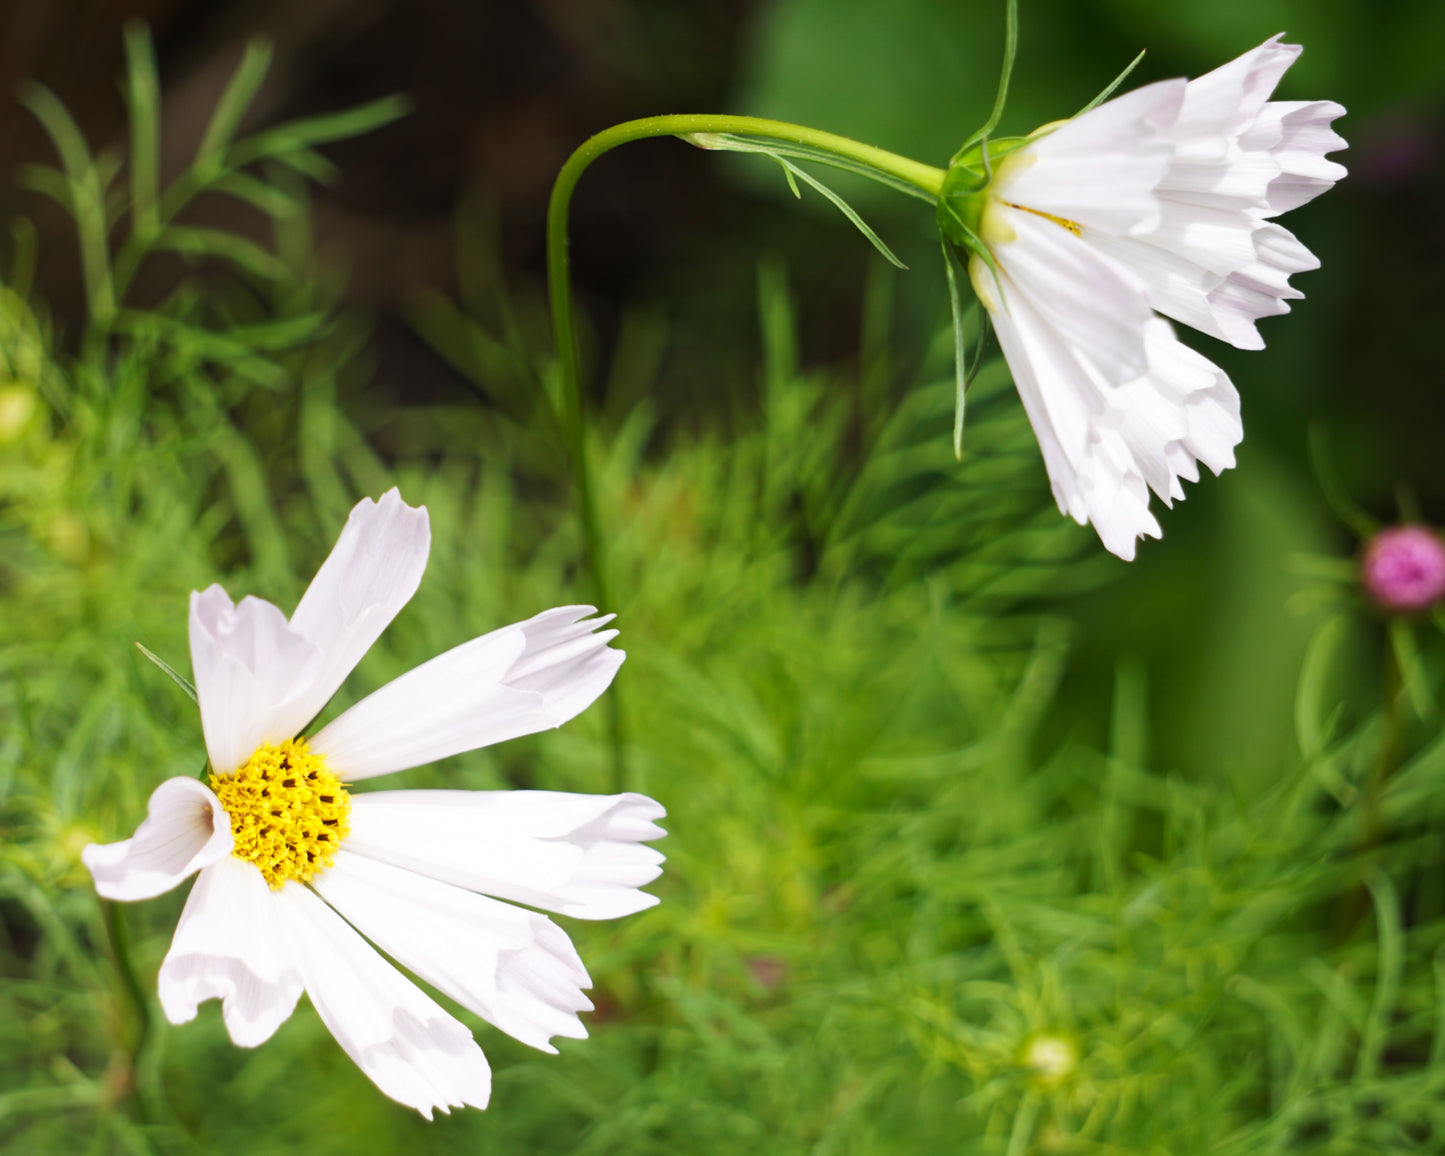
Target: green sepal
(1112,86)
(168,670)
(780,155)
(960,355)
(1010,50)
(740,143)
(966,186)
(964,371)
(961,205)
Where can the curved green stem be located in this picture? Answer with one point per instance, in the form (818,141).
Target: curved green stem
(926,178)
(898,171)
(115,931)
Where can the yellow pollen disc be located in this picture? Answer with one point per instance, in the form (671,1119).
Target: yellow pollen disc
(288,812)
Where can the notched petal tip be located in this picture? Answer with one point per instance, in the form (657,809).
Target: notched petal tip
(185,829)
(514,968)
(518,680)
(398,1036)
(578,855)
(229,946)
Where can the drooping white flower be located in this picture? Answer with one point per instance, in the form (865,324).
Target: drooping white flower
(1158,201)
(296,873)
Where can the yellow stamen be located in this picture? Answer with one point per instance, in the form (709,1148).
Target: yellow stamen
(288,812)
(1062,222)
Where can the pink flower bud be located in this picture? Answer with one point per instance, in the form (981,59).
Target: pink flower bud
(1404,568)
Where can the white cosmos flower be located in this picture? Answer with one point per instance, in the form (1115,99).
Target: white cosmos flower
(1158,200)
(295,871)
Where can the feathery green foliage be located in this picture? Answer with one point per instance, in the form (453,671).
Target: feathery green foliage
(900,913)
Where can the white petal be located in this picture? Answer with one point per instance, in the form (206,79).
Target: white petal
(231,944)
(515,681)
(1221,105)
(1208,259)
(1214,276)
(370,574)
(515,968)
(1184,410)
(1091,468)
(250,669)
(1301,136)
(1099,169)
(1261,288)
(408,1046)
(579,855)
(1096,305)
(185,829)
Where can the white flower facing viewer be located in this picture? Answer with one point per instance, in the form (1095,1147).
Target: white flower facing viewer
(295,870)
(1158,201)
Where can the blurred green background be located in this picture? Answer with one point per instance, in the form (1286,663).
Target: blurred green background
(981,840)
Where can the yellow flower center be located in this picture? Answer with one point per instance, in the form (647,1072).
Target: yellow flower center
(288,812)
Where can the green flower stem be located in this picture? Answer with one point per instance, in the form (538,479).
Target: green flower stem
(115,931)
(926,178)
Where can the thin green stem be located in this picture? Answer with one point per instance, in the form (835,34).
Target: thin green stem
(897,169)
(135,996)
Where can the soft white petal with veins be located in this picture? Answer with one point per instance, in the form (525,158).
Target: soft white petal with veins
(410,1048)
(515,681)
(184,830)
(578,855)
(231,944)
(370,574)
(513,967)
(250,668)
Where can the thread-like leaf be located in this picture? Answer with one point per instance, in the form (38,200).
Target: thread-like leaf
(168,670)
(143,104)
(731,142)
(763,148)
(1112,86)
(1010,50)
(296,136)
(226,119)
(960,352)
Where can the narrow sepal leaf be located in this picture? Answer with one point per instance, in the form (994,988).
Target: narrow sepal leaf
(1112,86)
(1010,50)
(960,352)
(792,171)
(731,142)
(168,670)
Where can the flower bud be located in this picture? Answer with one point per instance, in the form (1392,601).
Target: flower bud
(1404,568)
